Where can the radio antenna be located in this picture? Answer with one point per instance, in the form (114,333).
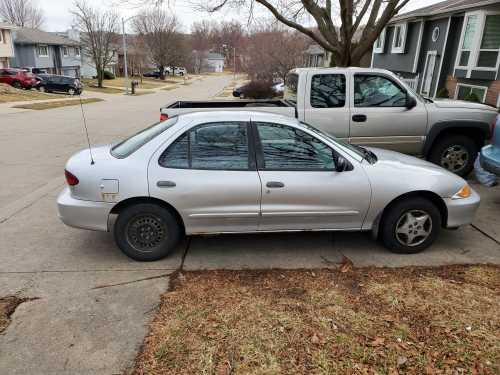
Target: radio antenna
(86,130)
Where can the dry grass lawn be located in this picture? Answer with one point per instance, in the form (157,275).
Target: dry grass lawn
(10,94)
(360,321)
(57,104)
(105,90)
(7,307)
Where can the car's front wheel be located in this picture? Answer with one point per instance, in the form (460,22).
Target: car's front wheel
(41,88)
(146,232)
(410,225)
(71,91)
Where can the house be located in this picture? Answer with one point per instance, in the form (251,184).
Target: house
(51,52)
(449,49)
(6,47)
(214,62)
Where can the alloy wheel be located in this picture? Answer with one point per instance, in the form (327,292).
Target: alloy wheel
(145,232)
(413,228)
(454,158)
(71,91)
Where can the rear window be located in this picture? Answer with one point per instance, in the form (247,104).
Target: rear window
(291,84)
(133,143)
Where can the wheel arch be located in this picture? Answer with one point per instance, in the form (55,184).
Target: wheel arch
(479,131)
(115,211)
(431,196)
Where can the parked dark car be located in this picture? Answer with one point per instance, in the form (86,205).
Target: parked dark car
(152,74)
(18,78)
(490,154)
(55,83)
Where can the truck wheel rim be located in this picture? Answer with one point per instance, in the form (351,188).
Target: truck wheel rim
(413,228)
(145,232)
(454,158)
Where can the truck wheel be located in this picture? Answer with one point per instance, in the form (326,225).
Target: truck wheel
(455,153)
(410,225)
(146,232)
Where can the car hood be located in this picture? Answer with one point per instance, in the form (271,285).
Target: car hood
(448,103)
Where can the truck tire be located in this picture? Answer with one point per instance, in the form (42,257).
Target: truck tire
(454,152)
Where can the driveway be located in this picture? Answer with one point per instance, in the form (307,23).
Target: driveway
(92,303)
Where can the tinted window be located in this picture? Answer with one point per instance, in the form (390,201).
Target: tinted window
(218,146)
(291,85)
(287,148)
(377,91)
(328,91)
(133,143)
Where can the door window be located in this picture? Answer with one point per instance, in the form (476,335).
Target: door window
(328,91)
(287,148)
(217,146)
(377,91)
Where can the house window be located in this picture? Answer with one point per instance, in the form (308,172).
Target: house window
(490,44)
(380,43)
(468,37)
(43,51)
(464,92)
(435,34)
(65,51)
(399,38)
(1,36)
(77,51)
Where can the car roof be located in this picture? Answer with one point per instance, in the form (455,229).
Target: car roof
(352,69)
(209,116)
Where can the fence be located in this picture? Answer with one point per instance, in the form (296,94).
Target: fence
(412,82)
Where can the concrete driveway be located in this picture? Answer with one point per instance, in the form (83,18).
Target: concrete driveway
(93,303)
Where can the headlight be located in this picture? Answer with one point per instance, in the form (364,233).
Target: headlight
(464,192)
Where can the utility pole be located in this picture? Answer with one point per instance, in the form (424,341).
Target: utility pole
(125,56)
(234,63)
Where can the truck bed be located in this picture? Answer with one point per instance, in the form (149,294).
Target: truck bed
(277,106)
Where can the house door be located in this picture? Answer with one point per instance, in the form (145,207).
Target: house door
(430,64)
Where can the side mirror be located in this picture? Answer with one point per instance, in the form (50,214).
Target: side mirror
(236,94)
(341,164)
(411,102)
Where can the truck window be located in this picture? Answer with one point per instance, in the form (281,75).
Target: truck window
(291,85)
(328,91)
(377,91)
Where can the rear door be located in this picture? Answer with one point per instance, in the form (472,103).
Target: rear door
(209,175)
(326,105)
(379,116)
(301,189)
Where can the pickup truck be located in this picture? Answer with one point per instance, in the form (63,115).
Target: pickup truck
(372,107)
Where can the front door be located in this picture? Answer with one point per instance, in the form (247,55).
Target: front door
(208,174)
(379,116)
(301,190)
(430,63)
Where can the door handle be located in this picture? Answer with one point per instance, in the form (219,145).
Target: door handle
(359,118)
(275,184)
(165,184)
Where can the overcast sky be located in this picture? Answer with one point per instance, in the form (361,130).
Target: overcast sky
(59,18)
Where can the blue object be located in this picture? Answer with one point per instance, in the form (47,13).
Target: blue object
(490,154)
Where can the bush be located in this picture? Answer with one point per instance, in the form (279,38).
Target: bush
(443,93)
(258,90)
(108,75)
(471,97)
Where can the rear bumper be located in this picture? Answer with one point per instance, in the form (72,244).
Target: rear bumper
(462,211)
(82,214)
(490,159)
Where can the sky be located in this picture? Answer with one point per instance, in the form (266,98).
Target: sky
(58,16)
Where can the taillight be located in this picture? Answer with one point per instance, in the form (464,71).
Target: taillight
(163,117)
(71,179)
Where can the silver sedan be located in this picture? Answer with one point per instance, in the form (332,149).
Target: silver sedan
(235,172)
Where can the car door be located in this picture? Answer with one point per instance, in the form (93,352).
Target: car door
(379,116)
(301,189)
(209,175)
(326,104)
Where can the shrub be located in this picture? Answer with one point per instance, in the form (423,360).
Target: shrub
(108,75)
(472,97)
(443,93)
(258,90)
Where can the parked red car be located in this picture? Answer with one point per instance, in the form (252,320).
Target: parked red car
(18,78)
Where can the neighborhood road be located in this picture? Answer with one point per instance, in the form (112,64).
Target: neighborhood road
(92,303)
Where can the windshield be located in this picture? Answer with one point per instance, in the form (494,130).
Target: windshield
(291,85)
(133,143)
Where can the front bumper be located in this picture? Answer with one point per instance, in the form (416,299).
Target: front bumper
(83,214)
(462,211)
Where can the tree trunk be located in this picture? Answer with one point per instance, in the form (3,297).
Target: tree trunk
(100,77)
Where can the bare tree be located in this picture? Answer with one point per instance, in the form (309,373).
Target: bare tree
(369,15)
(22,13)
(158,29)
(98,35)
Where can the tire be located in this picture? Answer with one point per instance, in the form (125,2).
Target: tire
(456,153)
(71,92)
(17,85)
(146,232)
(407,216)
(41,89)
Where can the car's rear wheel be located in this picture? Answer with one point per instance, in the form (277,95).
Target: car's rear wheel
(146,232)
(410,225)
(455,153)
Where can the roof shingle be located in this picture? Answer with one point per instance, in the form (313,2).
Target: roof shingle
(35,36)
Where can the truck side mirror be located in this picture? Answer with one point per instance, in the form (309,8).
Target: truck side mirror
(341,164)
(411,102)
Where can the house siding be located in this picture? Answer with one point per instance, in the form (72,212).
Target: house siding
(450,52)
(399,62)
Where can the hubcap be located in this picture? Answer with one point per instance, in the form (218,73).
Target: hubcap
(413,228)
(454,158)
(145,232)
